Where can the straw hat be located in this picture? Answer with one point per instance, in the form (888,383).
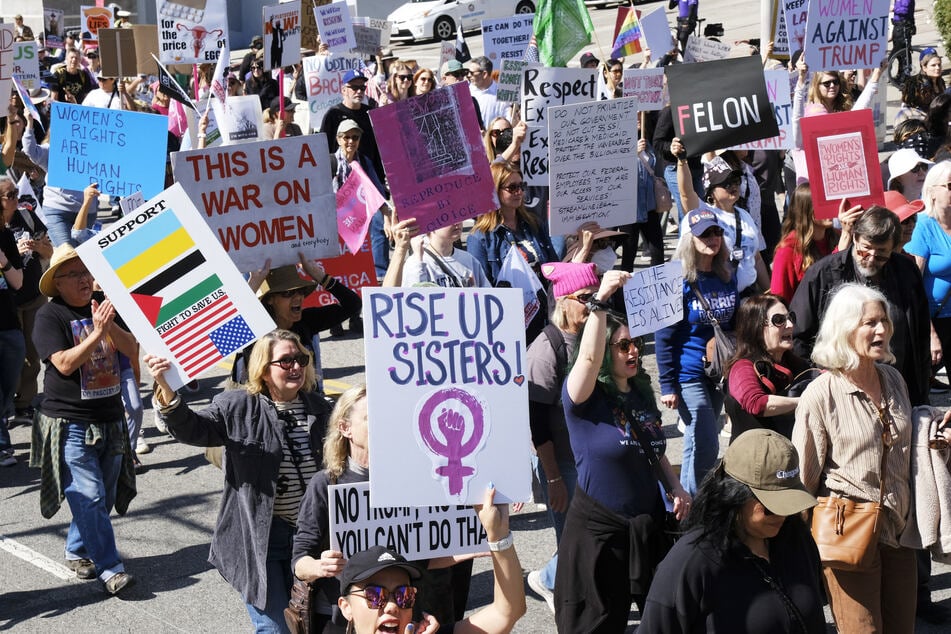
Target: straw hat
(61,255)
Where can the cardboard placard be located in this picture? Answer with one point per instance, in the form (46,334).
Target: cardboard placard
(6,60)
(282,34)
(309,37)
(647,86)
(850,34)
(91,19)
(778,32)
(506,38)
(26,66)
(117,52)
(654,298)
(777,88)
(196,36)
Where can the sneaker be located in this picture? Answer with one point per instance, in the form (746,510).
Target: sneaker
(356,325)
(7,459)
(535,583)
(118,581)
(336,331)
(938,387)
(141,446)
(83,568)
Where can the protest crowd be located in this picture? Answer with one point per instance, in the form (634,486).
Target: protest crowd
(803,313)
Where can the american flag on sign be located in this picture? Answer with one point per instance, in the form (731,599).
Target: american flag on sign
(531,53)
(208,336)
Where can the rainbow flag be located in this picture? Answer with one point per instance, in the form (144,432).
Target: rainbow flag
(628,38)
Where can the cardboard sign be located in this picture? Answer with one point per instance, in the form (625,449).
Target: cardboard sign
(778,32)
(370,35)
(122,151)
(213,136)
(647,86)
(655,30)
(194,35)
(175,288)
(842,159)
(335,26)
(654,298)
(701,49)
(446,395)
(91,19)
(240,119)
(541,89)
(593,164)
(309,37)
(267,199)
(794,16)
(777,88)
(510,80)
(710,113)
(6,59)
(117,52)
(506,38)
(282,35)
(131,202)
(414,532)
(322,76)
(434,157)
(26,66)
(54,22)
(146,41)
(850,34)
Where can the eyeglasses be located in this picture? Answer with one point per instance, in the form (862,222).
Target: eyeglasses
(74,275)
(426,79)
(779,319)
(287,363)
(865,253)
(515,188)
(829,83)
(462,74)
(256,67)
(405,77)
(625,345)
(603,243)
(711,232)
(584,298)
(377,596)
(303,292)
(495,133)
(9,196)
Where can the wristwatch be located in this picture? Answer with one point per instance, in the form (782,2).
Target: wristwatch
(503,544)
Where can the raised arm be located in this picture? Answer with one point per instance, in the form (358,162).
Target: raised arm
(684,179)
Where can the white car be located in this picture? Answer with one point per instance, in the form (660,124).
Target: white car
(437,19)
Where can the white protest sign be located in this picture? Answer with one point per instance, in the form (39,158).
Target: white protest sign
(780,96)
(335,26)
(322,77)
(655,30)
(506,38)
(541,89)
(240,119)
(26,66)
(420,532)
(447,400)
(701,49)
(174,286)
(447,51)
(851,34)
(282,35)
(593,164)
(191,35)
(267,199)
(647,86)
(370,34)
(213,134)
(794,14)
(779,32)
(654,298)
(510,80)
(131,202)
(6,60)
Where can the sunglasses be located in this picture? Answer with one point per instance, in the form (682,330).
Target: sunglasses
(426,79)
(779,319)
(377,596)
(829,83)
(360,88)
(74,275)
(350,137)
(919,168)
(868,253)
(625,345)
(405,77)
(603,243)
(711,232)
(287,363)
(294,291)
(515,188)
(584,298)
(495,133)
(256,67)
(9,196)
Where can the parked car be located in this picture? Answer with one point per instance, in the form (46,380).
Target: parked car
(438,19)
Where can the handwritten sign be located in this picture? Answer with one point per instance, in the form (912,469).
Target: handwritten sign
(282,34)
(655,30)
(446,395)
(322,77)
(414,532)
(852,34)
(192,37)
(701,49)
(267,199)
(309,36)
(370,35)
(780,97)
(506,38)
(26,66)
(335,26)
(510,80)
(592,164)
(653,298)
(6,58)
(647,86)
(794,16)
(778,32)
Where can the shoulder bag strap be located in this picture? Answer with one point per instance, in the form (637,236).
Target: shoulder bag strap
(646,447)
(706,306)
(886,425)
(794,614)
(443,266)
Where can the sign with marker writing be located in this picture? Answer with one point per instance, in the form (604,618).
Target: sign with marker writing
(322,77)
(335,26)
(506,38)
(647,86)
(794,14)
(846,34)
(191,35)
(6,58)
(654,298)
(702,49)
(282,34)
(780,97)
(446,395)
(370,35)
(510,80)
(779,32)
(416,532)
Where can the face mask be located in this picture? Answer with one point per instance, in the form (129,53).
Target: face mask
(604,260)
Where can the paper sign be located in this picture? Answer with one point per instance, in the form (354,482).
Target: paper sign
(593,164)
(282,35)
(54,23)
(701,49)
(654,298)
(26,66)
(6,59)
(240,119)
(322,76)
(91,19)
(131,202)
(541,89)
(447,399)
(647,86)
(371,34)
(434,157)
(122,151)
(850,34)
(794,16)
(510,80)
(309,37)
(192,36)
(655,30)
(176,290)
(267,199)
(212,132)
(506,38)
(357,200)
(414,532)
(447,51)
(777,89)
(25,100)
(335,26)
(778,32)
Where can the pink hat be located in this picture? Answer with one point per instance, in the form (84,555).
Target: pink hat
(569,277)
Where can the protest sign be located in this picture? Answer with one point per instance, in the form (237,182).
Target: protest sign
(719,104)
(322,77)
(414,532)
(510,80)
(506,38)
(434,158)
(447,400)
(370,34)
(654,298)
(25,99)
(117,52)
(6,58)
(447,51)
(267,199)
(851,34)
(240,119)
(91,19)
(191,36)
(592,164)
(55,25)
(794,16)
(131,203)
(541,89)
(335,26)
(357,200)
(354,270)
(309,36)
(281,35)
(655,30)
(778,32)
(146,41)
(701,49)
(647,86)
(777,89)
(842,159)
(26,66)
(122,151)
(212,132)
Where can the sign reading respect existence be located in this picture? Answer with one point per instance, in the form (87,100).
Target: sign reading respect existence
(447,399)
(777,88)
(846,34)
(265,199)
(414,532)
(653,298)
(592,147)
(174,286)
(124,152)
(192,34)
(506,38)
(710,113)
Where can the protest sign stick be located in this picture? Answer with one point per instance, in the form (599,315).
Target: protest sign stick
(195,80)
(280,89)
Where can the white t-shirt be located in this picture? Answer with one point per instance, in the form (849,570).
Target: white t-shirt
(489,105)
(752,242)
(99,98)
(468,272)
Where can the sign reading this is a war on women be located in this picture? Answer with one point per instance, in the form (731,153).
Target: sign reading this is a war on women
(543,88)
(506,38)
(174,286)
(447,399)
(710,113)
(591,148)
(191,35)
(282,34)
(122,151)
(266,199)
(846,34)
(420,532)
(434,158)
(777,88)
(647,86)
(653,298)
(322,77)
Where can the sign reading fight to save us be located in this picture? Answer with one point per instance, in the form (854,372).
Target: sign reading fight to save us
(710,113)
(191,32)
(653,298)
(846,34)
(265,199)
(447,399)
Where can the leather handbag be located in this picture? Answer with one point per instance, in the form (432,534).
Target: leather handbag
(297,614)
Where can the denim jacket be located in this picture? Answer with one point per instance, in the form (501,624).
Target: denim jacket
(491,248)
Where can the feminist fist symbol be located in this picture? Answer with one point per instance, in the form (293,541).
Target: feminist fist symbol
(452,426)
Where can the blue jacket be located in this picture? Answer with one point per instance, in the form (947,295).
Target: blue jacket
(490,249)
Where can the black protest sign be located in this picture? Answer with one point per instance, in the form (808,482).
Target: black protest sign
(720,104)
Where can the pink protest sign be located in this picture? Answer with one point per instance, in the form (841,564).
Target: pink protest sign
(434,159)
(357,200)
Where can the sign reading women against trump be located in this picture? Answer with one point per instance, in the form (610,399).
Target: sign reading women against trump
(434,158)
(720,104)
(846,34)
(174,286)
(446,395)
(191,32)
(267,199)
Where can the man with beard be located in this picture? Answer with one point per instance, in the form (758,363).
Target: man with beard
(873,260)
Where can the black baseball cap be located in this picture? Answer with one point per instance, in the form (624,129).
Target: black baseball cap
(367,563)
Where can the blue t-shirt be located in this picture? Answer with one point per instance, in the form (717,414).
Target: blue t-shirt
(612,467)
(929,241)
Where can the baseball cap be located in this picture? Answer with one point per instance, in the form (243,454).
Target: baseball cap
(347,125)
(896,203)
(353,75)
(903,161)
(451,66)
(701,219)
(717,172)
(588,58)
(288,104)
(768,464)
(367,563)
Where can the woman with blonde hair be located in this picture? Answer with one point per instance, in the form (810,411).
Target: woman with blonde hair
(399,84)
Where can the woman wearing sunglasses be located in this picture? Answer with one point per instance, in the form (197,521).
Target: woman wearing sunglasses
(423,81)
(271,431)
(399,85)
